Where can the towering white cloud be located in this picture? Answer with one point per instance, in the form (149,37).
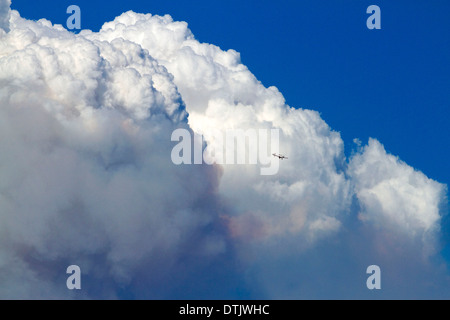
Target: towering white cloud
(86,176)
(221,93)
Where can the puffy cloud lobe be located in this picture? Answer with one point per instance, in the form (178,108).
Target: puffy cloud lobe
(86,175)
(394,196)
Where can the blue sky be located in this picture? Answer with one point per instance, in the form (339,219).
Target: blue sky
(392,84)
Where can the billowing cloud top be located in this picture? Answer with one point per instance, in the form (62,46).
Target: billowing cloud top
(86,176)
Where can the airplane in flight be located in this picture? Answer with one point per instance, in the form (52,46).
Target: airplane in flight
(279,156)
